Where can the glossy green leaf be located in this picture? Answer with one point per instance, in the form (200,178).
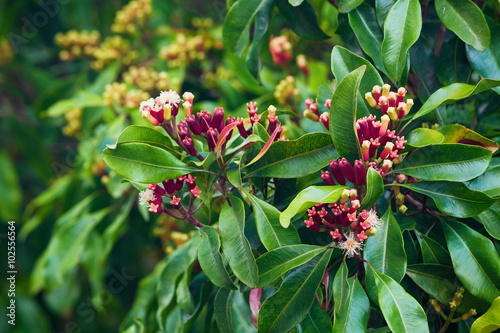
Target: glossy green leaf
(344,62)
(475,260)
(456,133)
(277,262)
(271,232)
(451,161)
(295,3)
(222,310)
(464,18)
(143,163)
(176,265)
(143,134)
(421,137)
(454,199)
(490,218)
(183,296)
(432,251)
(453,65)
(210,259)
(352,307)
(343,115)
(453,93)
(295,158)
(490,321)
(385,251)
(235,245)
(236,27)
(345,6)
(82,99)
(488,182)
(308,198)
(434,279)
(262,19)
(486,62)
(401,30)
(401,311)
(374,188)
(424,63)
(291,303)
(316,321)
(302,19)
(382,7)
(364,24)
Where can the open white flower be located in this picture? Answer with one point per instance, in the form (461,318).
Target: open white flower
(350,246)
(146,105)
(146,196)
(170,97)
(374,220)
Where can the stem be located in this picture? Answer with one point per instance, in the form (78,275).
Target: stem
(190,218)
(439,43)
(425,4)
(447,322)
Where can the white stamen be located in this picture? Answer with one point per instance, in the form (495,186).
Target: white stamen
(170,97)
(145,197)
(350,246)
(374,220)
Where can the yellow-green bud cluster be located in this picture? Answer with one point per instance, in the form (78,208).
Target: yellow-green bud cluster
(113,48)
(78,44)
(74,124)
(147,79)
(132,16)
(285,91)
(117,94)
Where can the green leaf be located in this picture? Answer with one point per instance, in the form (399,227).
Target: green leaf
(488,182)
(385,251)
(296,158)
(308,198)
(450,161)
(302,19)
(295,3)
(488,322)
(236,27)
(401,311)
(370,36)
(316,321)
(235,245)
(490,218)
(464,18)
(432,251)
(82,99)
(345,6)
(291,303)
(453,65)
(143,163)
(453,93)
(343,115)
(456,133)
(486,62)
(374,188)
(183,296)
(222,310)
(421,137)
(454,199)
(401,30)
(277,262)
(344,62)
(352,307)
(434,279)
(475,260)
(382,7)
(177,263)
(262,19)
(210,259)
(271,233)
(142,134)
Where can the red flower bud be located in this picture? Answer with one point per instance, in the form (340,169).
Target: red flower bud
(327,178)
(377,92)
(347,170)
(401,95)
(401,110)
(359,171)
(211,138)
(241,128)
(190,182)
(205,119)
(169,186)
(374,144)
(328,103)
(179,183)
(325,119)
(176,202)
(364,128)
(309,102)
(392,99)
(383,104)
(252,109)
(230,119)
(218,119)
(189,144)
(311,225)
(193,124)
(160,191)
(336,172)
